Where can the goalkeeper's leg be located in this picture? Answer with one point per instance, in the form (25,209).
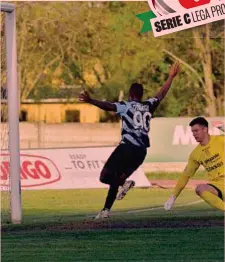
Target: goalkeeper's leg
(212,195)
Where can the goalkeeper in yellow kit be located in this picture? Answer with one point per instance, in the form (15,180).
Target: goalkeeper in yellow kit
(210,154)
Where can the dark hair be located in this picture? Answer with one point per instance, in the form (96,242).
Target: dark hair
(200,121)
(137,90)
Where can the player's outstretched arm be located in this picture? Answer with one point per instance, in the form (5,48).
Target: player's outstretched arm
(175,69)
(181,184)
(104,105)
(189,171)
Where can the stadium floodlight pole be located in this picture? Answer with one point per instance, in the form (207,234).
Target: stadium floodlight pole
(13,110)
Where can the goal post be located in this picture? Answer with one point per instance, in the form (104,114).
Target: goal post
(13,110)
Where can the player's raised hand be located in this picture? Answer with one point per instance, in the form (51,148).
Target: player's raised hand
(169,203)
(84,97)
(175,69)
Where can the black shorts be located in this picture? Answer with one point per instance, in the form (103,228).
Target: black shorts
(220,195)
(125,159)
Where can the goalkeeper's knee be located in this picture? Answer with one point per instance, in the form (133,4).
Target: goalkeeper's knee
(201,188)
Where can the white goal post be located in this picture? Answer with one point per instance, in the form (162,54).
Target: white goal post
(13,110)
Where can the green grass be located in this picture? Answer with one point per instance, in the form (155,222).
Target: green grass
(117,245)
(57,227)
(201,175)
(65,205)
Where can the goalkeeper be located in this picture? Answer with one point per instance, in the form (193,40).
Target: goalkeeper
(210,154)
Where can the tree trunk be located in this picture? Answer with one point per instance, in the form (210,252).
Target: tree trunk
(220,104)
(203,45)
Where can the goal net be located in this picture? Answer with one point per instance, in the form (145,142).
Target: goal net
(10,154)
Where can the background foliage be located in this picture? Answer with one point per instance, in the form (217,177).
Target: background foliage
(97,45)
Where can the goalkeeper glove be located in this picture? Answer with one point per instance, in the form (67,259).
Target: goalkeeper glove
(169,203)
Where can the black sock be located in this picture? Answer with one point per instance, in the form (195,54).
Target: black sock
(111,197)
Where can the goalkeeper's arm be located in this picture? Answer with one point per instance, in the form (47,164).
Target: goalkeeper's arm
(181,184)
(189,171)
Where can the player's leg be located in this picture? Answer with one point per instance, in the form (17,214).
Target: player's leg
(108,177)
(136,157)
(111,196)
(211,194)
(112,166)
(125,186)
(112,176)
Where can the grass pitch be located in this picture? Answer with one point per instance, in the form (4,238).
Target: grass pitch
(58,226)
(200,175)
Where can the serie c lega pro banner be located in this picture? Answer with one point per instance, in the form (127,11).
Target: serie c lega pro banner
(169,16)
(63,169)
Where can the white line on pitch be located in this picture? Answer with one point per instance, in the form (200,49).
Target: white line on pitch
(152,208)
(156,208)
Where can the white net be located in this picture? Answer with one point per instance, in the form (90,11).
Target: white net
(4,159)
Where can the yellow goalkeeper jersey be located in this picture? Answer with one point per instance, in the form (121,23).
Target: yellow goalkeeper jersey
(211,156)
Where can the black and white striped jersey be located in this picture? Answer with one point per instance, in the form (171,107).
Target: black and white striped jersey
(136,118)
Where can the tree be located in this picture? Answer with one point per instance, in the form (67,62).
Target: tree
(200,51)
(202,41)
(98,45)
